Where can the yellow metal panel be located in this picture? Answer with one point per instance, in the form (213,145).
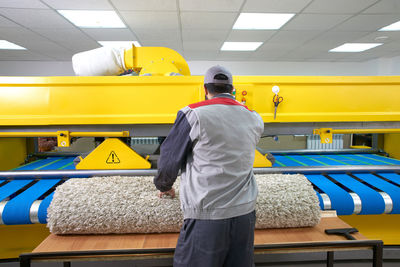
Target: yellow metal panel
(384,227)
(156,99)
(12,153)
(17,239)
(113,154)
(392,145)
(261,161)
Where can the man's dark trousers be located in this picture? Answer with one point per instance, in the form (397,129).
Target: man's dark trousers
(216,243)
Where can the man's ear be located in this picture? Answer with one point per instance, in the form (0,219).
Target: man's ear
(206,92)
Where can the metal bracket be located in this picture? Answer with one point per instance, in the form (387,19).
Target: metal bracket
(325,134)
(63,138)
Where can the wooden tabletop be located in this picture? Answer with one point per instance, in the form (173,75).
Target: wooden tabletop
(58,243)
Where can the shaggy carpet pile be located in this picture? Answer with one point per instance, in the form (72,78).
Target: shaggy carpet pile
(103,205)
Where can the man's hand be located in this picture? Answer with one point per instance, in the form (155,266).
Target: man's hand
(170,193)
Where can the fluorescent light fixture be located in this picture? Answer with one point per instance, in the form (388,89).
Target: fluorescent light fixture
(8,45)
(355,47)
(392,27)
(119,44)
(240,46)
(261,21)
(93,19)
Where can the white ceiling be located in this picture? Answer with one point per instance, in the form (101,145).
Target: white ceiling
(198,28)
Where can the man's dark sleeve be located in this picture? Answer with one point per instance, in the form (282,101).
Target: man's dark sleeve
(174,151)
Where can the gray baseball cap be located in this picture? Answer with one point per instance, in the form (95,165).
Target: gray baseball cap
(213,71)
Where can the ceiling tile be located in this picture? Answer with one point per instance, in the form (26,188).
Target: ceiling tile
(272,51)
(110,34)
(23,4)
(338,6)
(202,46)
(151,20)
(249,35)
(210,5)
(270,55)
(39,18)
(304,52)
(367,22)
(20,35)
(156,34)
(22,55)
(7,23)
(330,55)
(200,55)
(230,56)
(314,22)
(380,37)
(175,45)
(294,37)
(207,20)
(332,39)
(384,7)
(48,49)
(79,4)
(148,5)
(205,35)
(72,39)
(282,6)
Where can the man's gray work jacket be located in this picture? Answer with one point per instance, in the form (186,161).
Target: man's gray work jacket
(213,143)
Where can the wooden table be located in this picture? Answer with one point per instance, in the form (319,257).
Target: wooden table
(69,248)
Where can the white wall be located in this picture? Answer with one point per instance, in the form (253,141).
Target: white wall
(383,66)
(36,68)
(288,68)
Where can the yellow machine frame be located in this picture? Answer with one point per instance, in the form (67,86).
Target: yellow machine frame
(156,99)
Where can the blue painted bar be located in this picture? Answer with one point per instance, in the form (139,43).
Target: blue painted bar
(342,202)
(36,164)
(392,190)
(385,159)
(394,177)
(371,201)
(42,213)
(307,161)
(287,161)
(16,211)
(12,187)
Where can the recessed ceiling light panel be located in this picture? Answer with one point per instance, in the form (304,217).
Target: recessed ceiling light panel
(392,27)
(261,21)
(8,45)
(93,18)
(240,46)
(355,47)
(118,44)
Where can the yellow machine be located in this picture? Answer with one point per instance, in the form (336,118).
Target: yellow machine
(146,106)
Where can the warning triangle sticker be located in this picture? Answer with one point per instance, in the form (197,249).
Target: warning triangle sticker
(113,158)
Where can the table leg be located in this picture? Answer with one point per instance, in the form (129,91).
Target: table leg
(24,262)
(329,259)
(377,255)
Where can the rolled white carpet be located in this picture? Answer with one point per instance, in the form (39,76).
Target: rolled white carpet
(103,205)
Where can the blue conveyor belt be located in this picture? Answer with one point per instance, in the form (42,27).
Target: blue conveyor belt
(17,209)
(368,187)
(371,201)
(392,190)
(340,199)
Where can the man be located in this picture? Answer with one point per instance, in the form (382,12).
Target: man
(213,143)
